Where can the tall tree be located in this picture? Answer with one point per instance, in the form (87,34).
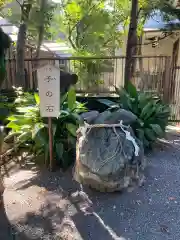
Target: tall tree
(41,27)
(21,41)
(33,19)
(91,26)
(141,10)
(131,46)
(5,44)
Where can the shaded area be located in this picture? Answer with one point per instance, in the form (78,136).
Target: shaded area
(6,230)
(43,205)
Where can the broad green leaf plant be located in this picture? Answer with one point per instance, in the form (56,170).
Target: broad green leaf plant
(30,130)
(152,113)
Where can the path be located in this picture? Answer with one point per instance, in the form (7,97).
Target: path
(46,206)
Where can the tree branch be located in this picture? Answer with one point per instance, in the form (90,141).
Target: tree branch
(82,38)
(139,13)
(19,3)
(70,30)
(71,42)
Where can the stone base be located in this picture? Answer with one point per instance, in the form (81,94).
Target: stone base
(84,176)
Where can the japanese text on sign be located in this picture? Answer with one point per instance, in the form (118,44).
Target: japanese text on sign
(49,91)
(49,78)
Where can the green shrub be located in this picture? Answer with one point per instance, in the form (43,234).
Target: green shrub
(31,130)
(152,113)
(8,104)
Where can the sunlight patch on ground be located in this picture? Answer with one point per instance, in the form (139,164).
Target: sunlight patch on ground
(170,128)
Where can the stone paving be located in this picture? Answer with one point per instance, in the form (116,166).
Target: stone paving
(43,205)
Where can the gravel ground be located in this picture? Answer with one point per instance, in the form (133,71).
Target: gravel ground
(51,206)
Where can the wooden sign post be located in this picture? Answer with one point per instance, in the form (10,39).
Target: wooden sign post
(49,93)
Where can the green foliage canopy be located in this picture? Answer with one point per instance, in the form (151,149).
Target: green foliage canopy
(92,27)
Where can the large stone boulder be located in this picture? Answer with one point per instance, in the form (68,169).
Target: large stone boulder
(108,158)
(89,117)
(123,115)
(113,117)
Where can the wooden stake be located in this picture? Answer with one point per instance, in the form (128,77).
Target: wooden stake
(51,162)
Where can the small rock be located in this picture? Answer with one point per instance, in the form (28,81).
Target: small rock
(164,228)
(171,198)
(139,202)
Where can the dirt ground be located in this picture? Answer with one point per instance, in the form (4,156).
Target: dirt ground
(44,205)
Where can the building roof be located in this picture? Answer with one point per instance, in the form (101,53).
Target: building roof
(157,22)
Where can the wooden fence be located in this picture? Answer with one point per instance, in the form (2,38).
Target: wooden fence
(96,75)
(100,76)
(30,72)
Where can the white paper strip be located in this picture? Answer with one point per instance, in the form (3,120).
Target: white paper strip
(49,90)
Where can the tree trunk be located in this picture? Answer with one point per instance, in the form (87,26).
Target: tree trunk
(131,46)
(21,43)
(5,44)
(41,26)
